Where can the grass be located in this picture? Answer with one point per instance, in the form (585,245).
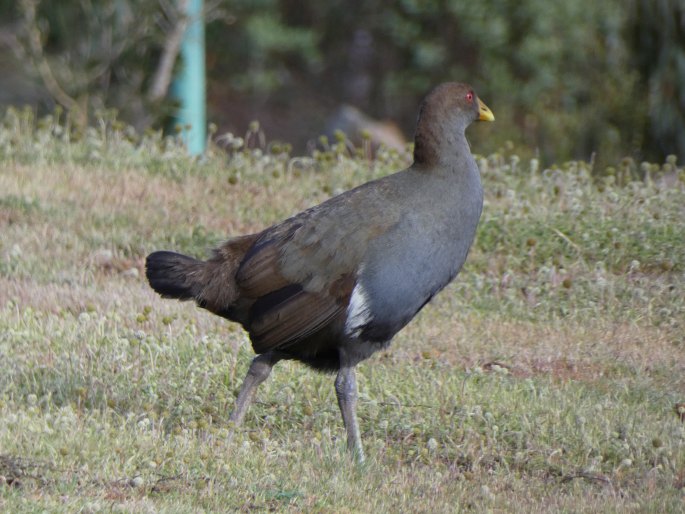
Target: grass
(547,378)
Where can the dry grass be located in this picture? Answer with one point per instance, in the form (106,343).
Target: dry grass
(543,380)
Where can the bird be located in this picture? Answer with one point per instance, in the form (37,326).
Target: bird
(332,285)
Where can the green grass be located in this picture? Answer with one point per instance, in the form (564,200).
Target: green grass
(544,379)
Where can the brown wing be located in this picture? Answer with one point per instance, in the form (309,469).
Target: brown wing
(291,314)
(283,311)
(301,273)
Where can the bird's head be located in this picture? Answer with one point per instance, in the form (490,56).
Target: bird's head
(444,115)
(457,102)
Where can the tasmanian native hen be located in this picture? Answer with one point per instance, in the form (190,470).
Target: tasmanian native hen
(332,285)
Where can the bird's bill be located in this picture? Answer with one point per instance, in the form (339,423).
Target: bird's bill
(484,113)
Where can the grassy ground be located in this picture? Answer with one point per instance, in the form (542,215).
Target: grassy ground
(547,378)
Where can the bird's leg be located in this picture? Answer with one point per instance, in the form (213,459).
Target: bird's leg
(346,391)
(259,371)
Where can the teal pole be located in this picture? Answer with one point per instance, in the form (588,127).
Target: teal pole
(189,84)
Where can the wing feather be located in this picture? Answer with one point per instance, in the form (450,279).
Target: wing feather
(299,275)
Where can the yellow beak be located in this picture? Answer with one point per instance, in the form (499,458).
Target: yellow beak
(484,114)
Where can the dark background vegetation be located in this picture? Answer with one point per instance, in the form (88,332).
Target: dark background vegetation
(566,80)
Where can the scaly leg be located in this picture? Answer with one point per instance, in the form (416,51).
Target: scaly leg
(346,391)
(259,371)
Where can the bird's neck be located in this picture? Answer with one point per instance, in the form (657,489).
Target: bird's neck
(440,146)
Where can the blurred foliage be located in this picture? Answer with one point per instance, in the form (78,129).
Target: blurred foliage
(565,79)
(656,39)
(101,54)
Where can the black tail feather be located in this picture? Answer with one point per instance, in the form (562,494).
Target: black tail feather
(174,275)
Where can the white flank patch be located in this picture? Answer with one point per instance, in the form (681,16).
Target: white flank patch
(358,313)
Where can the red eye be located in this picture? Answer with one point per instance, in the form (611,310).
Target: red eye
(469,96)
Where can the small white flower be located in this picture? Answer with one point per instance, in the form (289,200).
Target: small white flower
(136,482)
(486,493)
